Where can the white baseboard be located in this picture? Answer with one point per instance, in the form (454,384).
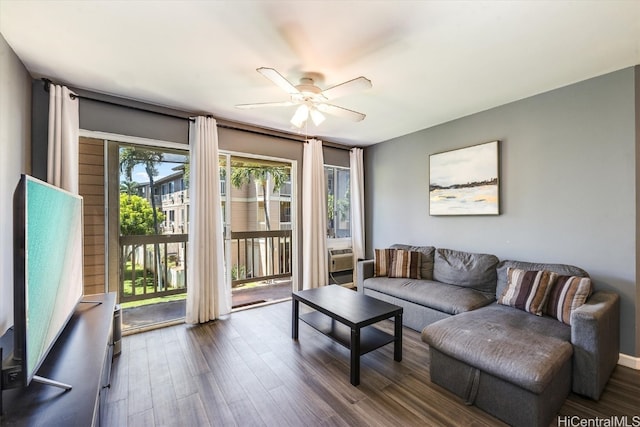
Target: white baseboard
(629,361)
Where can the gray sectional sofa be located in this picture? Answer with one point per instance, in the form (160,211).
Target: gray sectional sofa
(515,365)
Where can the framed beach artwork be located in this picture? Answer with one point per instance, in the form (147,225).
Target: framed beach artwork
(465,181)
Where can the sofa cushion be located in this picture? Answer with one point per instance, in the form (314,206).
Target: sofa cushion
(567,294)
(508,343)
(405,264)
(382,261)
(560,269)
(477,271)
(527,290)
(448,299)
(426,258)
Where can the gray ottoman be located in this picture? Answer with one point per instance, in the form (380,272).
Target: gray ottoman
(512,364)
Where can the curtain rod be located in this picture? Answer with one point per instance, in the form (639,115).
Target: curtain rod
(227,125)
(47,84)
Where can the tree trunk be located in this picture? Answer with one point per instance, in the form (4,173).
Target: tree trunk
(156,247)
(265,207)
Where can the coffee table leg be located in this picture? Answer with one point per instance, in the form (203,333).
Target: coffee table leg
(294,318)
(355,356)
(397,343)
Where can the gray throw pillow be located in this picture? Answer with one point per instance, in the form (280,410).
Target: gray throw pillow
(471,270)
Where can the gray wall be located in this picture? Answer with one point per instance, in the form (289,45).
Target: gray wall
(15,118)
(568,186)
(105,117)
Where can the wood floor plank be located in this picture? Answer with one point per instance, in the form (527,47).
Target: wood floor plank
(191,412)
(215,405)
(246,370)
(165,405)
(116,413)
(142,419)
(190,340)
(139,389)
(119,382)
(180,369)
(246,414)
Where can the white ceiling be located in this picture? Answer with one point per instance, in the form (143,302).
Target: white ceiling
(429,61)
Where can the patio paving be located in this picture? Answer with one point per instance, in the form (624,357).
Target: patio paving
(148,315)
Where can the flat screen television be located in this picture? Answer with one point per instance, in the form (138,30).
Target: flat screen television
(48,273)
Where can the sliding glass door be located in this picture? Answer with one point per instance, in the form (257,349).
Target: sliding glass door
(258,209)
(148,221)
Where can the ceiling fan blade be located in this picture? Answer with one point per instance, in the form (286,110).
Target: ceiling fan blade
(265,104)
(357,84)
(341,112)
(277,79)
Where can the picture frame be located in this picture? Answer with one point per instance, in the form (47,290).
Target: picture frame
(465,181)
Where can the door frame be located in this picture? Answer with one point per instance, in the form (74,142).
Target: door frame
(112,191)
(294,211)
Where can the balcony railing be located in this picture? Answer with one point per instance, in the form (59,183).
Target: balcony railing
(260,255)
(152,266)
(156,265)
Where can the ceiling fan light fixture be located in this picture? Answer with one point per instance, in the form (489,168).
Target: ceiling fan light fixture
(301,115)
(316,116)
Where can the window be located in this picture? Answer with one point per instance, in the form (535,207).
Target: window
(338,202)
(285,212)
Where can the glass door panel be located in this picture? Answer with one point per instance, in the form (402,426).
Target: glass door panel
(258,228)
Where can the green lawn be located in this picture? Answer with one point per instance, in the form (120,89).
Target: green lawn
(139,288)
(141,281)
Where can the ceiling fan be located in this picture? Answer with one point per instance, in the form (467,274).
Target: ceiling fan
(310,99)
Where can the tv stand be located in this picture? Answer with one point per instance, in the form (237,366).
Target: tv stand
(81,357)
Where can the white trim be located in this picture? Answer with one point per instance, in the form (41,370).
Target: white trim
(133,140)
(105,186)
(294,227)
(629,361)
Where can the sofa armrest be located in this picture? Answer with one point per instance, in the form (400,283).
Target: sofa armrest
(595,335)
(364,270)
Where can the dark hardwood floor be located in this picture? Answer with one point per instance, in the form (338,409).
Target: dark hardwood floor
(245,370)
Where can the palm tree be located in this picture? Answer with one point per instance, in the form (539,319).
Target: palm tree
(133,156)
(129,187)
(244,173)
(130,157)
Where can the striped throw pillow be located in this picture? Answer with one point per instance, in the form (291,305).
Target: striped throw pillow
(527,290)
(568,293)
(405,264)
(382,261)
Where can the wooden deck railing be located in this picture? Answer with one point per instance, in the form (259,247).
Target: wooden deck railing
(156,265)
(152,266)
(260,255)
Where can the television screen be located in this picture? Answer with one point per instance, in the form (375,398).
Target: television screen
(48,237)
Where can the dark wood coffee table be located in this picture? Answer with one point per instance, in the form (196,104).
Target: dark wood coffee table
(346,316)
